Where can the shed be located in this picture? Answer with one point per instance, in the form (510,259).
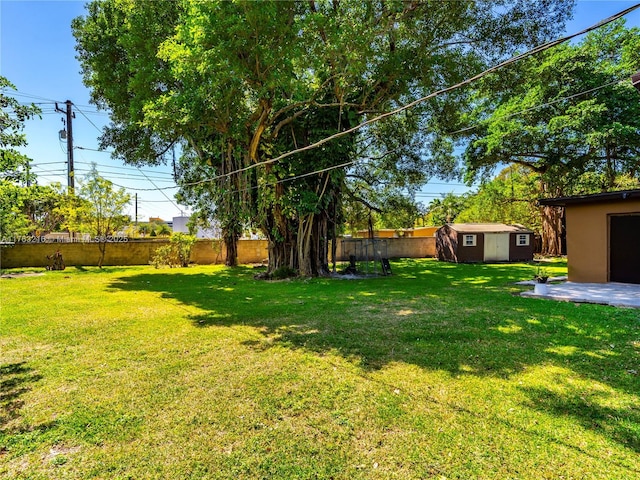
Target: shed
(603,236)
(484,242)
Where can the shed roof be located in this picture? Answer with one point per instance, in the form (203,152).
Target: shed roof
(593,198)
(488,228)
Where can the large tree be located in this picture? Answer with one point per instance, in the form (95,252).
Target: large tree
(561,114)
(241,83)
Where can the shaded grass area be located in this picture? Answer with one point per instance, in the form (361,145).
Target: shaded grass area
(440,370)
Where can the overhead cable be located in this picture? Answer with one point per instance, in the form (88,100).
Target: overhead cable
(528,53)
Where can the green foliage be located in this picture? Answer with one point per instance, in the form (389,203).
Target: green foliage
(237,84)
(34,210)
(163,230)
(96,210)
(100,209)
(176,254)
(23,208)
(446,210)
(182,244)
(13,221)
(165,256)
(565,113)
(508,198)
(569,115)
(282,273)
(14,166)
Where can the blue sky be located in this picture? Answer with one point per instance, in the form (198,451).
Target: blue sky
(37,54)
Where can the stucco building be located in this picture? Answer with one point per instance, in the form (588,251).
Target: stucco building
(603,236)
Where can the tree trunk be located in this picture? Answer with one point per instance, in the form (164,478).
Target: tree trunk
(313,248)
(300,239)
(102,247)
(551,230)
(551,234)
(303,245)
(231,247)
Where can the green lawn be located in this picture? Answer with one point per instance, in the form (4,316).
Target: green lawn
(439,371)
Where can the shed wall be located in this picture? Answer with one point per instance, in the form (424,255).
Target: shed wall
(470,254)
(521,253)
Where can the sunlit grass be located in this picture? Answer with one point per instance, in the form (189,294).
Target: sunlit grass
(439,371)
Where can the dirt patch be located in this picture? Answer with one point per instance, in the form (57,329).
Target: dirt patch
(25,274)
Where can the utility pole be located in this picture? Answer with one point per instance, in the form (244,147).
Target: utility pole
(136,210)
(69,124)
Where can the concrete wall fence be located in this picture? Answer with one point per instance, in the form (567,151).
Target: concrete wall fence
(204,252)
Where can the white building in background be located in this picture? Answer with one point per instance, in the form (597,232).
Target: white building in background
(212,232)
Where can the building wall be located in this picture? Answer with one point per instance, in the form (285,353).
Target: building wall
(140,252)
(424,231)
(588,238)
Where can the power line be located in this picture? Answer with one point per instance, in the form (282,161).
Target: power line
(528,53)
(87,118)
(161,191)
(18,93)
(122,176)
(128,168)
(46,163)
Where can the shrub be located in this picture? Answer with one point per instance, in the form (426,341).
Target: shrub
(164,256)
(177,253)
(183,244)
(283,272)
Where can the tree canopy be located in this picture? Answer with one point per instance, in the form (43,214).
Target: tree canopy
(238,83)
(24,208)
(565,115)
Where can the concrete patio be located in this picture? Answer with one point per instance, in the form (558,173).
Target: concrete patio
(615,294)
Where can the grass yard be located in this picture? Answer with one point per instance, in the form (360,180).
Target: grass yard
(439,371)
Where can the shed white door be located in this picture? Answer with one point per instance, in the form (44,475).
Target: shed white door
(496,247)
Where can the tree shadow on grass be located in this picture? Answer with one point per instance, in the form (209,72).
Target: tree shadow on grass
(462,319)
(619,424)
(15,381)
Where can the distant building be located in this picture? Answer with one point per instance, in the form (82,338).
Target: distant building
(212,232)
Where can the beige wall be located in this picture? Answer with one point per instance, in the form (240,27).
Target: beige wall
(204,252)
(399,233)
(588,239)
(406,247)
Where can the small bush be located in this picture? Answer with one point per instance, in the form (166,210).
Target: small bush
(283,272)
(177,253)
(165,256)
(183,244)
